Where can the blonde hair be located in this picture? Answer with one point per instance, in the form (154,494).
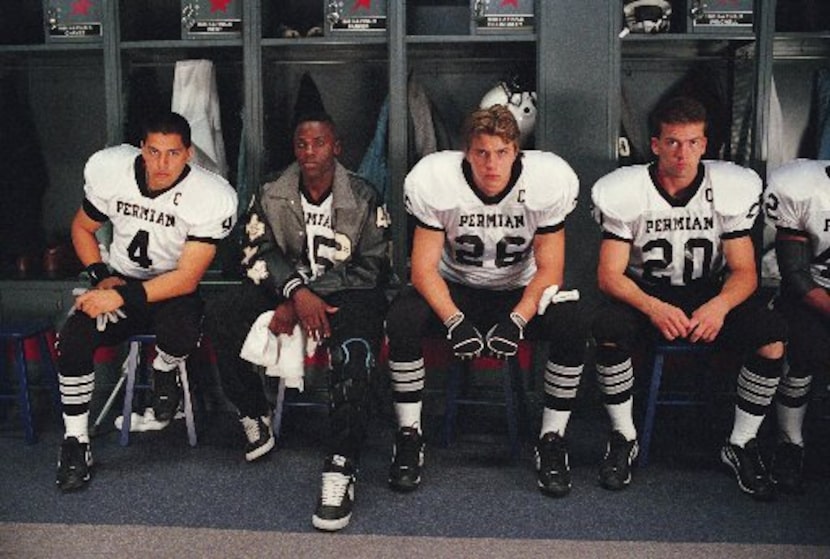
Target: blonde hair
(495,121)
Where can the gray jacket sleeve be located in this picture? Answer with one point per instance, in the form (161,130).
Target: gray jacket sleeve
(263,260)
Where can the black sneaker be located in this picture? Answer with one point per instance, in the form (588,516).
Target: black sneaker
(259,435)
(787,468)
(165,394)
(615,470)
(334,509)
(74,465)
(553,471)
(407,460)
(749,469)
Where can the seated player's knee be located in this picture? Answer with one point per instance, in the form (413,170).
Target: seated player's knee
(351,365)
(166,362)
(774,350)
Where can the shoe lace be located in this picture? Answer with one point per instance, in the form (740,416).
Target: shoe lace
(335,485)
(252,428)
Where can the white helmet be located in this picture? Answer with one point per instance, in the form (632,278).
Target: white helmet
(519,101)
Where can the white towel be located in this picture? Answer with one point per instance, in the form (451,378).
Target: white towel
(283,355)
(195,97)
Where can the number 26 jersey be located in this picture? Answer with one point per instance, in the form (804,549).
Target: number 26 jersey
(677,241)
(489,242)
(150,229)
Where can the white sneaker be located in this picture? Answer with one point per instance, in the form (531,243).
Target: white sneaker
(141,423)
(334,509)
(259,434)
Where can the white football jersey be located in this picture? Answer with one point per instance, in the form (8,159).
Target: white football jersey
(321,247)
(677,242)
(490,245)
(798,201)
(149,231)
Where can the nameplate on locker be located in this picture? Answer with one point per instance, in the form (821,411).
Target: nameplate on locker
(502,16)
(355,16)
(721,16)
(72,20)
(211,18)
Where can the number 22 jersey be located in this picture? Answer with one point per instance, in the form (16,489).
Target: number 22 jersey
(798,201)
(673,241)
(150,229)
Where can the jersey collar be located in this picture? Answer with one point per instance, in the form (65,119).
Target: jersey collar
(688,193)
(515,172)
(141,179)
(307,195)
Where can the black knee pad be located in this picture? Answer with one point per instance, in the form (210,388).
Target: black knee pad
(352,364)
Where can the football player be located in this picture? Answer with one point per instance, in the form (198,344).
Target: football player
(314,254)
(489,242)
(672,230)
(797,204)
(167,217)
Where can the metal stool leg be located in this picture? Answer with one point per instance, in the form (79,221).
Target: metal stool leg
(510,407)
(23,392)
(129,369)
(48,363)
(188,405)
(651,407)
(456,369)
(279,407)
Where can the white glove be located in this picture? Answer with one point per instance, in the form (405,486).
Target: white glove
(101,320)
(108,318)
(552,295)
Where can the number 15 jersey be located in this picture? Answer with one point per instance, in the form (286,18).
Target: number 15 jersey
(489,242)
(150,229)
(673,241)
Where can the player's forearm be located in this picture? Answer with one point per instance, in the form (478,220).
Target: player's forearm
(529,303)
(624,289)
(435,291)
(738,287)
(172,284)
(86,245)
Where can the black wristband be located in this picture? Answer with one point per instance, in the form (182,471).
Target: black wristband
(133,294)
(97,272)
(292,284)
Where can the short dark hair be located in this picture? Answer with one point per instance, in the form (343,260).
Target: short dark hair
(315,116)
(167,123)
(677,110)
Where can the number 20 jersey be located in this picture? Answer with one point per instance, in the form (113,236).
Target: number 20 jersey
(677,242)
(149,232)
(490,245)
(798,200)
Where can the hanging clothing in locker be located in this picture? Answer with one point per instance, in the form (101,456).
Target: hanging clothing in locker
(195,97)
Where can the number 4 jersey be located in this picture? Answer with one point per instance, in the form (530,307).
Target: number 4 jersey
(798,201)
(489,242)
(150,229)
(673,241)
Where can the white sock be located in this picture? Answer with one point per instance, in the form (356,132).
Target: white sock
(77,426)
(554,421)
(622,418)
(790,421)
(745,427)
(409,414)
